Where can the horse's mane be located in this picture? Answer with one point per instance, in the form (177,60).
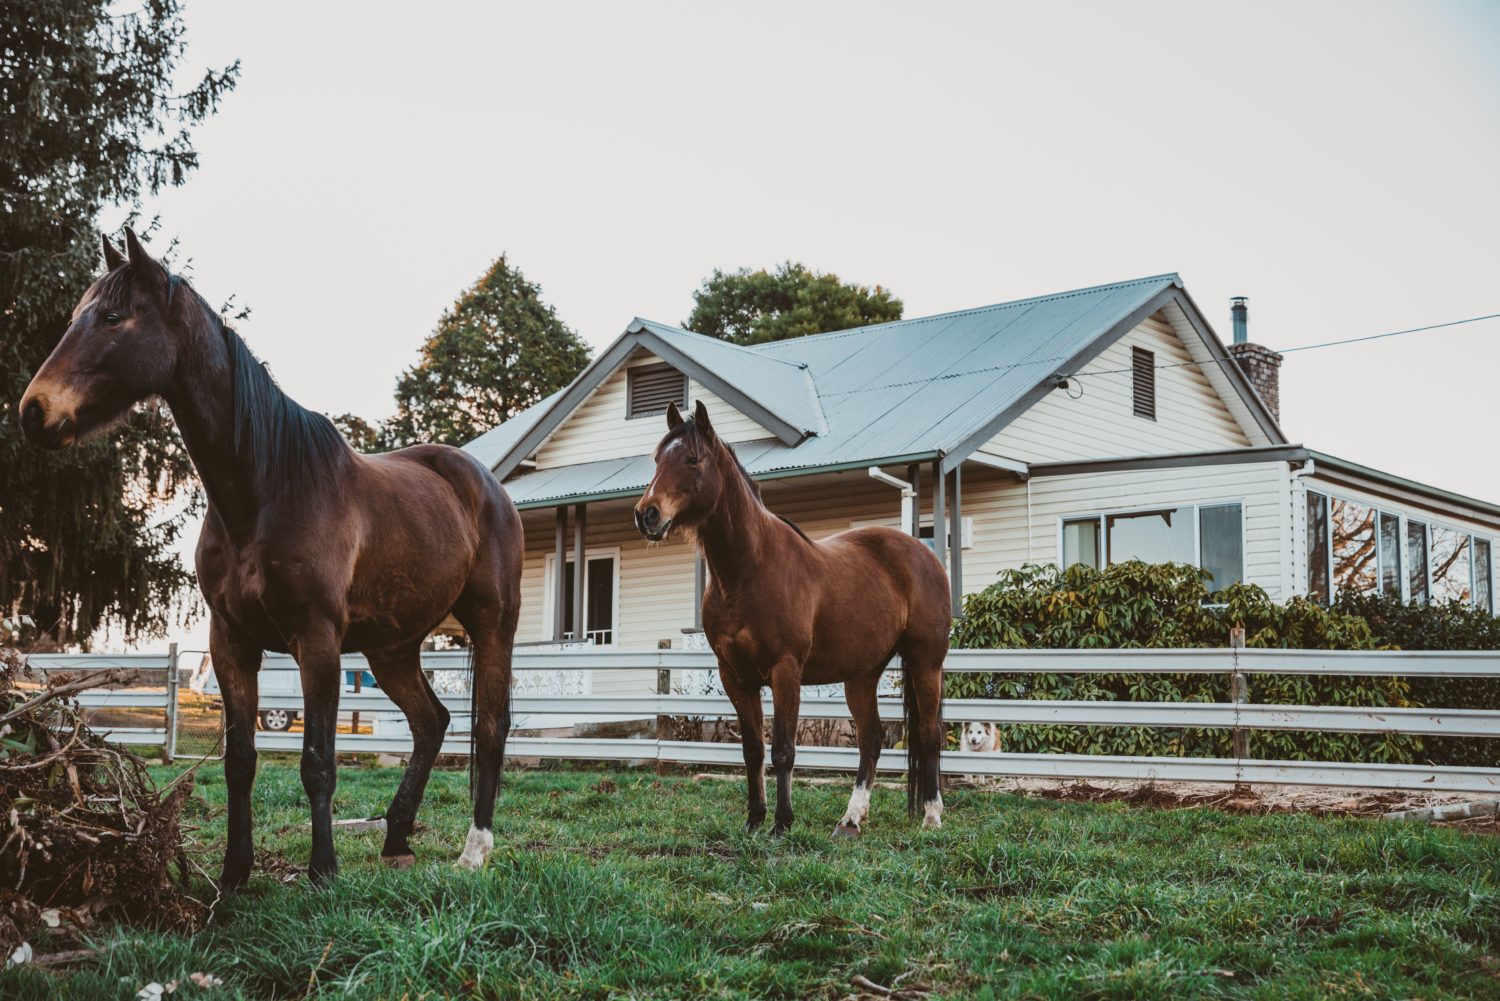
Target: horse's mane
(687,429)
(285,441)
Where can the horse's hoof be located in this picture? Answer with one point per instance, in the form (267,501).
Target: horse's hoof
(234,878)
(846,831)
(399,861)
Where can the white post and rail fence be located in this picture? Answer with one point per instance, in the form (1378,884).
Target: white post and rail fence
(159,709)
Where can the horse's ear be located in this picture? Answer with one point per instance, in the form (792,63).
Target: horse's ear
(674,417)
(112,257)
(700,418)
(143,264)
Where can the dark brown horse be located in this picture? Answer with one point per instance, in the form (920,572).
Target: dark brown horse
(784,611)
(307,547)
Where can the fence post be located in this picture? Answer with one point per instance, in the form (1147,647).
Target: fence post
(1239,692)
(169,746)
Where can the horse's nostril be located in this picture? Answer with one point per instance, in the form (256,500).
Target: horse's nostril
(32,417)
(653,515)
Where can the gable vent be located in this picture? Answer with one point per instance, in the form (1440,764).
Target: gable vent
(649,388)
(1143,382)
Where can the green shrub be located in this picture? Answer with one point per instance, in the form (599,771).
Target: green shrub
(1450,626)
(1162,606)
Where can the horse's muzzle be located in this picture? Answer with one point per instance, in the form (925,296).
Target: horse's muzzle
(34,426)
(650,524)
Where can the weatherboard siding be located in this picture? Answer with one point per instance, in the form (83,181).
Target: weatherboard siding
(1190,415)
(599,429)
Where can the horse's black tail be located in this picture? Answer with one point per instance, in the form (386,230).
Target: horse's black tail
(923,765)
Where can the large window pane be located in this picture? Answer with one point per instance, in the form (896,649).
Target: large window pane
(1353,547)
(1484,593)
(1317,547)
(1220,537)
(1450,564)
(1081,543)
(1390,554)
(1151,536)
(1416,561)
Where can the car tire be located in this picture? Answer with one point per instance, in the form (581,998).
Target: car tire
(277,719)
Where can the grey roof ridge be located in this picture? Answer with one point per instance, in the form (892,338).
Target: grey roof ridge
(1170,276)
(639,322)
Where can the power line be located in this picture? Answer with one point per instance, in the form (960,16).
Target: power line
(1304,347)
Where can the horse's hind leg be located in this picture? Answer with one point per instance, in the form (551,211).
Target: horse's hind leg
(865,709)
(399,672)
(236,663)
(922,692)
(488,611)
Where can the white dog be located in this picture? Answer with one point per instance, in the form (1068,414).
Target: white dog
(979,737)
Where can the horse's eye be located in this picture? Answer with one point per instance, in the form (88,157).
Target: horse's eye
(112,319)
(691,460)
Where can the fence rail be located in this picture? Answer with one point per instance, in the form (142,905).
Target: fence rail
(1234,662)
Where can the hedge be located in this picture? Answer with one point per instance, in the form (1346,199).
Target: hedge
(1138,605)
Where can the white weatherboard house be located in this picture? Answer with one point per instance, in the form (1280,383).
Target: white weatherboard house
(1161,444)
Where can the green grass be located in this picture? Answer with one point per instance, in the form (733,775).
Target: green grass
(651,890)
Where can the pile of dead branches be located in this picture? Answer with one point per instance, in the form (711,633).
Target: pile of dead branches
(83,830)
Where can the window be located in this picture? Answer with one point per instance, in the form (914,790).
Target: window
(1416,560)
(1210,536)
(1143,382)
(649,388)
(924,532)
(1390,554)
(600,597)
(1358,549)
(1484,596)
(1355,558)
(1151,536)
(1451,578)
(1318,584)
(1221,544)
(1081,542)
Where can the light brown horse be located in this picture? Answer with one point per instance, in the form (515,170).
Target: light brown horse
(307,547)
(784,611)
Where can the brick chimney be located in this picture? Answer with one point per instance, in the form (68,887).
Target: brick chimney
(1261,365)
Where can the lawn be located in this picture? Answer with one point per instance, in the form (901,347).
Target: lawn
(625,884)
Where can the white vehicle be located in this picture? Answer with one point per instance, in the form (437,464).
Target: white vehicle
(283,682)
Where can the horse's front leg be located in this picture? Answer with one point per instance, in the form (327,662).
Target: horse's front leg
(236,663)
(318,659)
(786,699)
(751,716)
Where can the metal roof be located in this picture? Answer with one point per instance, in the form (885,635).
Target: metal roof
(930,386)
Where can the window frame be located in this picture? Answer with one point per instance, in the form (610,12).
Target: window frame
(549,591)
(635,372)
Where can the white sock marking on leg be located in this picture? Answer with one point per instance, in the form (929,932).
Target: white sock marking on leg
(932,813)
(859,807)
(477,849)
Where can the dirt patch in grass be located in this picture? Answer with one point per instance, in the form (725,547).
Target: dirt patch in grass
(1253,800)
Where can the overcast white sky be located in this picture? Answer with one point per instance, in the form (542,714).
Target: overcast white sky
(1338,163)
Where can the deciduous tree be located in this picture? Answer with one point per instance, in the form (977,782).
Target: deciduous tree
(752,307)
